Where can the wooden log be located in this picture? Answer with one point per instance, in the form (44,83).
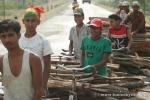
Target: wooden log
(66,62)
(141,46)
(144,36)
(60,71)
(141,62)
(70,76)
(109,89)
(113,66)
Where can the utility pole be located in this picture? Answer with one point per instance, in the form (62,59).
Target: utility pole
(144,5)
(4,9)
(51,4)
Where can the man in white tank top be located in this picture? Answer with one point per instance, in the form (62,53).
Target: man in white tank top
(35,42)
(21,70)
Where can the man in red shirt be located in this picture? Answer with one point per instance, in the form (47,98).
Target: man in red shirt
(119,34)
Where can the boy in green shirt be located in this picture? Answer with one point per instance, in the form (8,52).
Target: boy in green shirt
(95,49)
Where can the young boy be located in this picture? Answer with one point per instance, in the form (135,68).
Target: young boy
(35,42)
(119,34)
(95,49)
(21,70)
(78,32)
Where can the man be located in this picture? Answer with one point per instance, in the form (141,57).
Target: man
(77,33)
(21,70)
(95,49)
(125,10)
(75,4)
(119,34)
(35,42)
(120,8)
(136,18)
(125,6)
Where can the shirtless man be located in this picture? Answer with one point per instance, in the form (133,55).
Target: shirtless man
(21,70)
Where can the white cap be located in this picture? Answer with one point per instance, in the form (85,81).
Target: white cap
(135,3)
(125,3)
(120,4)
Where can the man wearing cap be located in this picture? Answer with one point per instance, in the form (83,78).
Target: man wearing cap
(119,34)
(125,6)
(95,50)
(75,4)
(120,8)
(35,42)
(123,9)
(136,18)
(77,33)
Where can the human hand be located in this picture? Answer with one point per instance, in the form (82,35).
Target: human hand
(113,44)
(93,70)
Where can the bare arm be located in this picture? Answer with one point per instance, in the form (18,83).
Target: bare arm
(70,47)
(130,39)
(127,19)
(113,43)
(36,69)
(47,66)
(81,58)
(1,64)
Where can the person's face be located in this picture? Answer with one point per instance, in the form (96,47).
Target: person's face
(114,23)
(78,19)
(95,32)
(135,8)
(10,39)
(31,22)
(121,7)
(125,8)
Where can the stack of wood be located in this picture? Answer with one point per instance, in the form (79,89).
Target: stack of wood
(141,44)
(139,64)
(86,82)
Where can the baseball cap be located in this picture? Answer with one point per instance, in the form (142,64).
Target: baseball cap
(96,22)
(78,11)
(135,3)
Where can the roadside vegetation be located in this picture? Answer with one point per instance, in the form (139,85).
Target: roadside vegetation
(112,5)
(12,8)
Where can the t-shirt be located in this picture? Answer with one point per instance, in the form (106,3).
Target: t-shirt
(119,36)
(94,50)
(38,44)
(84,31)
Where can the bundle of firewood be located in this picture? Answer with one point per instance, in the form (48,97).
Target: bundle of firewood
(139,64)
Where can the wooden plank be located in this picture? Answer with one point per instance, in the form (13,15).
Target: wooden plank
(66,62)
(113,66)
(140,36)
(141,46)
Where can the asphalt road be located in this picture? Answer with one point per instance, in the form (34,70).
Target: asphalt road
(57,28)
